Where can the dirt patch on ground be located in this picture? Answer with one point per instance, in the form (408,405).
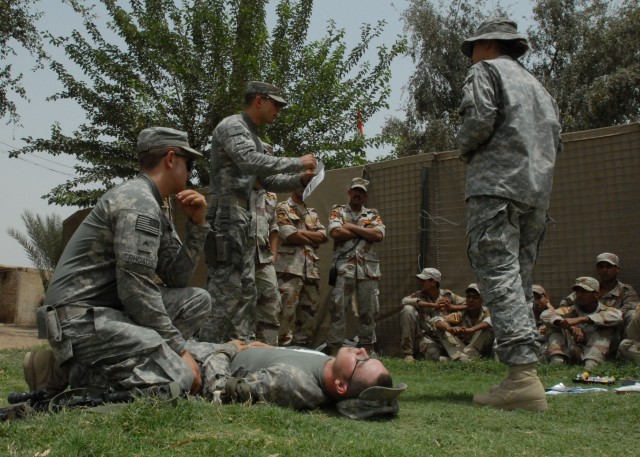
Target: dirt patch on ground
(12,337)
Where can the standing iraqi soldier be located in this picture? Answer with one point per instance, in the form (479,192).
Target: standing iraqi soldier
(106,317)
(510,137)
(301,233)
(355,230)
(237,160)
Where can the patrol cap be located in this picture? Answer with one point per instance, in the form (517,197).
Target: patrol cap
(359,183)
(374,401)
(609,258)
(430,273)
(164,137)
(473,286)
(538,289)
(587,283)
(259,87)
(497,28)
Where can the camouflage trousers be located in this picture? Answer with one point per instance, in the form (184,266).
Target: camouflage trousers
(300,299)
(232,285)
(478,345)
(110,350)
(268,304)
(365,292)
(595,346)
(416,336)
(629,348)
(504,239)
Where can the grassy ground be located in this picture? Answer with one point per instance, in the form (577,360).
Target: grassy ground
(436,418)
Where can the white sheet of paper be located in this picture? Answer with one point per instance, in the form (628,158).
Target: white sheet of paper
(315,181)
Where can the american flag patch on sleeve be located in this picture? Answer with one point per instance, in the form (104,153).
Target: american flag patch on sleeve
(148,225)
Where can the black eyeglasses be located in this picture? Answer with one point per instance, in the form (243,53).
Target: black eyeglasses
(189,161)
(359,358)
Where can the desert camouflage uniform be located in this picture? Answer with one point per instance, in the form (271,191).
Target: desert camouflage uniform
(473,346)
(599,333)
(119,328)
(510,137)
(237,160)
(416,335)
(629,348)
(298,273)
(358,269)
(268,302)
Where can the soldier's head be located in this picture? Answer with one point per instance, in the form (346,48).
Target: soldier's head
(587,291)
(495,37)
(429,279)
(353,370)
(358,193)
(473,297)
(297,194)
(538,294)
(165,152)
(607,266)
(263,102)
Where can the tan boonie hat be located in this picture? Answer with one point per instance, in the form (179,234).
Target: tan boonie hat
(587,283)
(496,28)
(473,286)
(359,183)
(164,137)
(259,87)
(430,273)
(376,401)
(609,258)
(538,289)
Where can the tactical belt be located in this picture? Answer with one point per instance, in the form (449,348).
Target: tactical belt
(214,200)
(68,311)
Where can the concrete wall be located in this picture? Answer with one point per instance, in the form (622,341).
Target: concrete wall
(21,294)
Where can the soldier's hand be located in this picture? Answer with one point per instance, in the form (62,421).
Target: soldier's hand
(194,205)
(195,369)
(309,162)
(578,334)
(307,176)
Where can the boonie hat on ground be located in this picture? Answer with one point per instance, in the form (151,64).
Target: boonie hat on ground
(587,283)
(496,28)
(359,183)
(164,137)
(376,401)
(430,273)
(609,258)
(259,87)
(538,289)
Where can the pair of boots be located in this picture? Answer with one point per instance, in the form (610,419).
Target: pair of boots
(521,390)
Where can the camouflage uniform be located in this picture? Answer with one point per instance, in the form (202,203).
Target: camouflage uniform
(511,145)
(417,336)
(599,333)
(268,302)
(358,269)
(629,348)
(237,160)
(472,346)
(119,328)
(298,273)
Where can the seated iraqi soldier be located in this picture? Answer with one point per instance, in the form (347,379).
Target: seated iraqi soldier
(629,348)
(582,333)
(541,303)
(465,335)
(358,385)
(106,318)
(416,333)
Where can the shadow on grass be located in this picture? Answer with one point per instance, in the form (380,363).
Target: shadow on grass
(445,397)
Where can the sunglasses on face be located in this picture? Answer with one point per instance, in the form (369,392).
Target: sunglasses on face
(359,358)
(189,161)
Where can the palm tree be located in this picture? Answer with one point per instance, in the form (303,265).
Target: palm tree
(43,242)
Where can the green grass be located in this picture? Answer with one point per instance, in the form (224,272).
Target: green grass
(436,418)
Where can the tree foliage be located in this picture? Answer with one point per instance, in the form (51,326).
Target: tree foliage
(585,52)
(17,26)
(42,243)
(186,64)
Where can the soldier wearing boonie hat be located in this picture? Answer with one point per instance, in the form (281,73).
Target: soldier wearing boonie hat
(237,160)
(417,338)
(584,332)
(504,108)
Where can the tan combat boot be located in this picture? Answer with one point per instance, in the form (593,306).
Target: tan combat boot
(521,390)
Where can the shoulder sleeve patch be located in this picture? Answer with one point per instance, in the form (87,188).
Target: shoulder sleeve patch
(148,225)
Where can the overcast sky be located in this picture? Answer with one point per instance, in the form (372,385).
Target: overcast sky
(25,181)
